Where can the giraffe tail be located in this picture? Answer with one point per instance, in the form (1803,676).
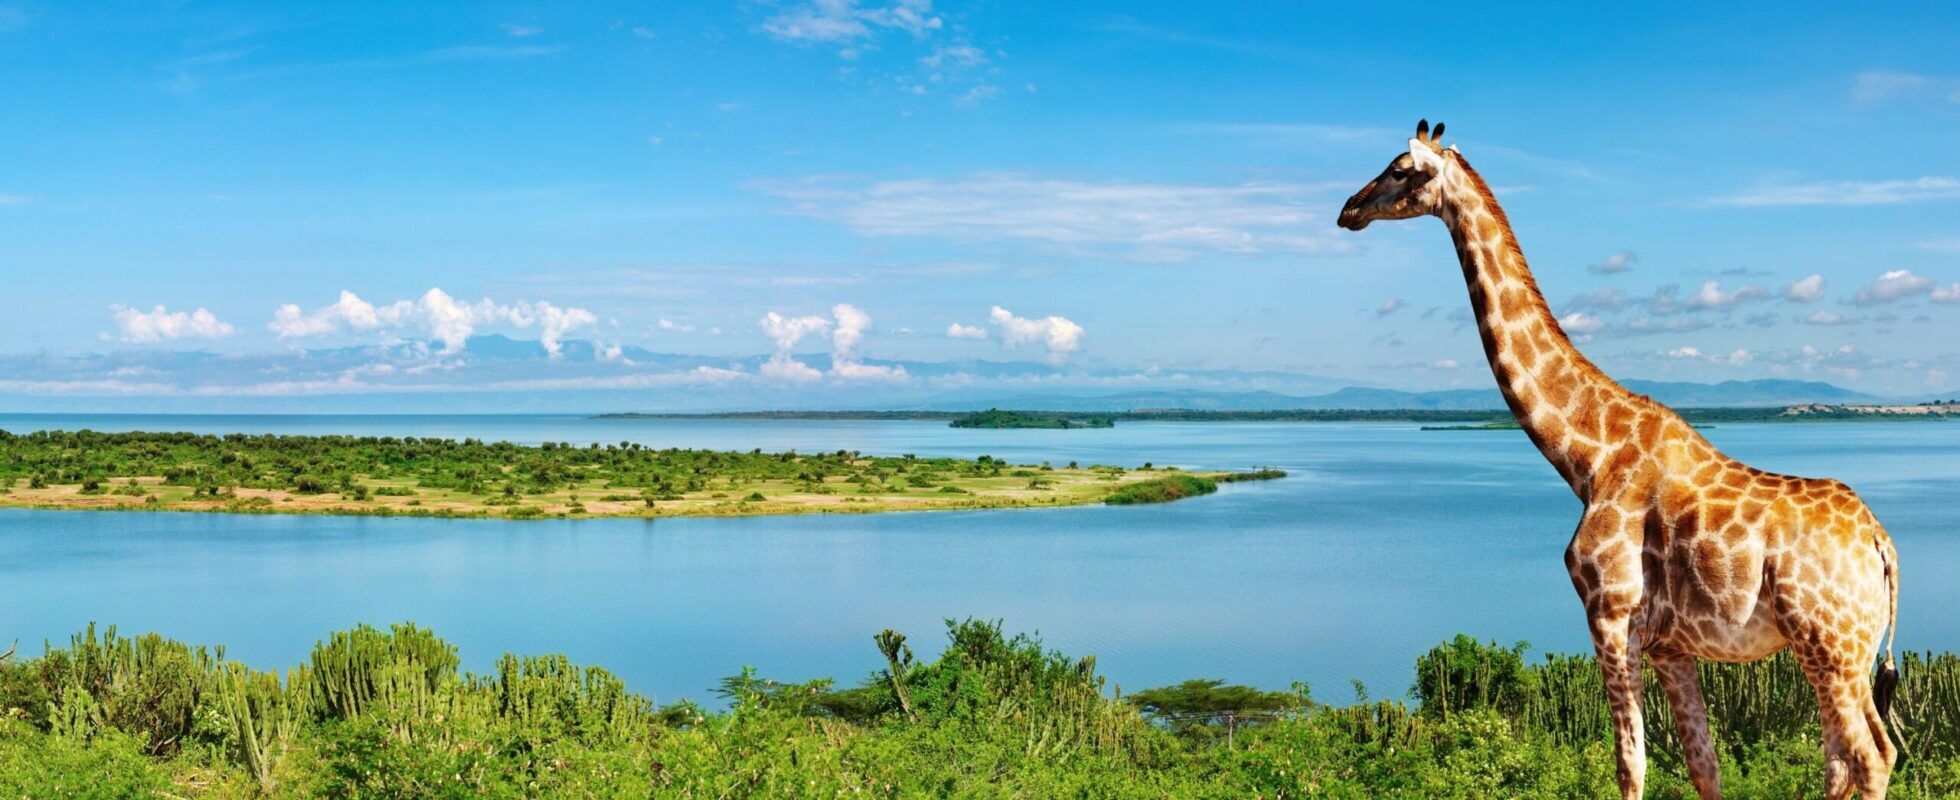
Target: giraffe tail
(1887,682)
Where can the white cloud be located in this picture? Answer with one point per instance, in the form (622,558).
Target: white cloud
(290,322)
(1878,85)
(1892,286)
(1447,363)
(958,54)
(666,324)
(958,331)
(488,52)
(843,21)
(787,331)
(1874,87)
(1848,193)
(554,322)
(979,93)
(852,322)
(1059,334)
(1389,306)
(1826,317)
(1711,296)
(439,315)
(858,370)
(1617,262)
(1807,290)
(160,324)
(1949,293)
(1142,221)
(1580,323)
(1737,357)
(1605,299)
(790,369)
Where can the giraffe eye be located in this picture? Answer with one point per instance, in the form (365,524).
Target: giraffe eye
(1398,173)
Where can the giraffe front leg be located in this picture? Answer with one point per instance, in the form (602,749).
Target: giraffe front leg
(1683,687)
(1619,659)
(1604,561)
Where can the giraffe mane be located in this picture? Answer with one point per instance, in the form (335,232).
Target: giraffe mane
(1514,251)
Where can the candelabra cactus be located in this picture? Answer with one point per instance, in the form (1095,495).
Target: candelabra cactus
(899,658)
(363,669)
(263,716)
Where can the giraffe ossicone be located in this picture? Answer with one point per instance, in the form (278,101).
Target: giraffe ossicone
(1425,155)
(1681,553)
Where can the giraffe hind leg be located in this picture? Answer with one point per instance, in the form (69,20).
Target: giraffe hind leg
(1857,754)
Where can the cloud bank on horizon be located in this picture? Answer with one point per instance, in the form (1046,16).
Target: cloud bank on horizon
(875,196)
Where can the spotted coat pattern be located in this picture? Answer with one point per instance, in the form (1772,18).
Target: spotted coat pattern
(1682,552)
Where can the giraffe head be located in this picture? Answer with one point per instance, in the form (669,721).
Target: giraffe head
(1410,187)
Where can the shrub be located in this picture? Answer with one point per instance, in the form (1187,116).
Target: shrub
(1161,490)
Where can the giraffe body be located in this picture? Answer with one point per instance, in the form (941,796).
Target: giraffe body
(1681,552)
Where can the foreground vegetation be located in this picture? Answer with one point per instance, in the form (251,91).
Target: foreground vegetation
(443,477)
(388,714)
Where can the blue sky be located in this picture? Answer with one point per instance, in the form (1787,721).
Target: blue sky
(1126,195)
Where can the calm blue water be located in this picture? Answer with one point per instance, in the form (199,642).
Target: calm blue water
(1384,541)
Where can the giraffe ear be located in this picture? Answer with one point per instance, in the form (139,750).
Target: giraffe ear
(1425,156)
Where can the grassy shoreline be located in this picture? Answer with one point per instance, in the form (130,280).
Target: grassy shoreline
(387,476)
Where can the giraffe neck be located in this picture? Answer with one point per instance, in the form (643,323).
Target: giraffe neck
(1549,385)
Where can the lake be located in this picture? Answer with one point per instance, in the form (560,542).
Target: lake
(1384,540)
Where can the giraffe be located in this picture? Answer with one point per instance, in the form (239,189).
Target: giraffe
(1681,552)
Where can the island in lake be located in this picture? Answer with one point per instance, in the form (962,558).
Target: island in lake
(471,478)
(996,418)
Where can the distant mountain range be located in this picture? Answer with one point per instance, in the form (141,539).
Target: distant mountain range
(1300,391)
(499,374)
(1727,394)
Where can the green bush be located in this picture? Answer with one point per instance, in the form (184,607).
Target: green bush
(1161,490)
(108,766)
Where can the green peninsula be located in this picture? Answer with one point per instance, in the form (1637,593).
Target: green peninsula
(472,478)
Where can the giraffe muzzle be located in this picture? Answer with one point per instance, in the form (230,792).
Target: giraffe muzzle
(1351,217)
